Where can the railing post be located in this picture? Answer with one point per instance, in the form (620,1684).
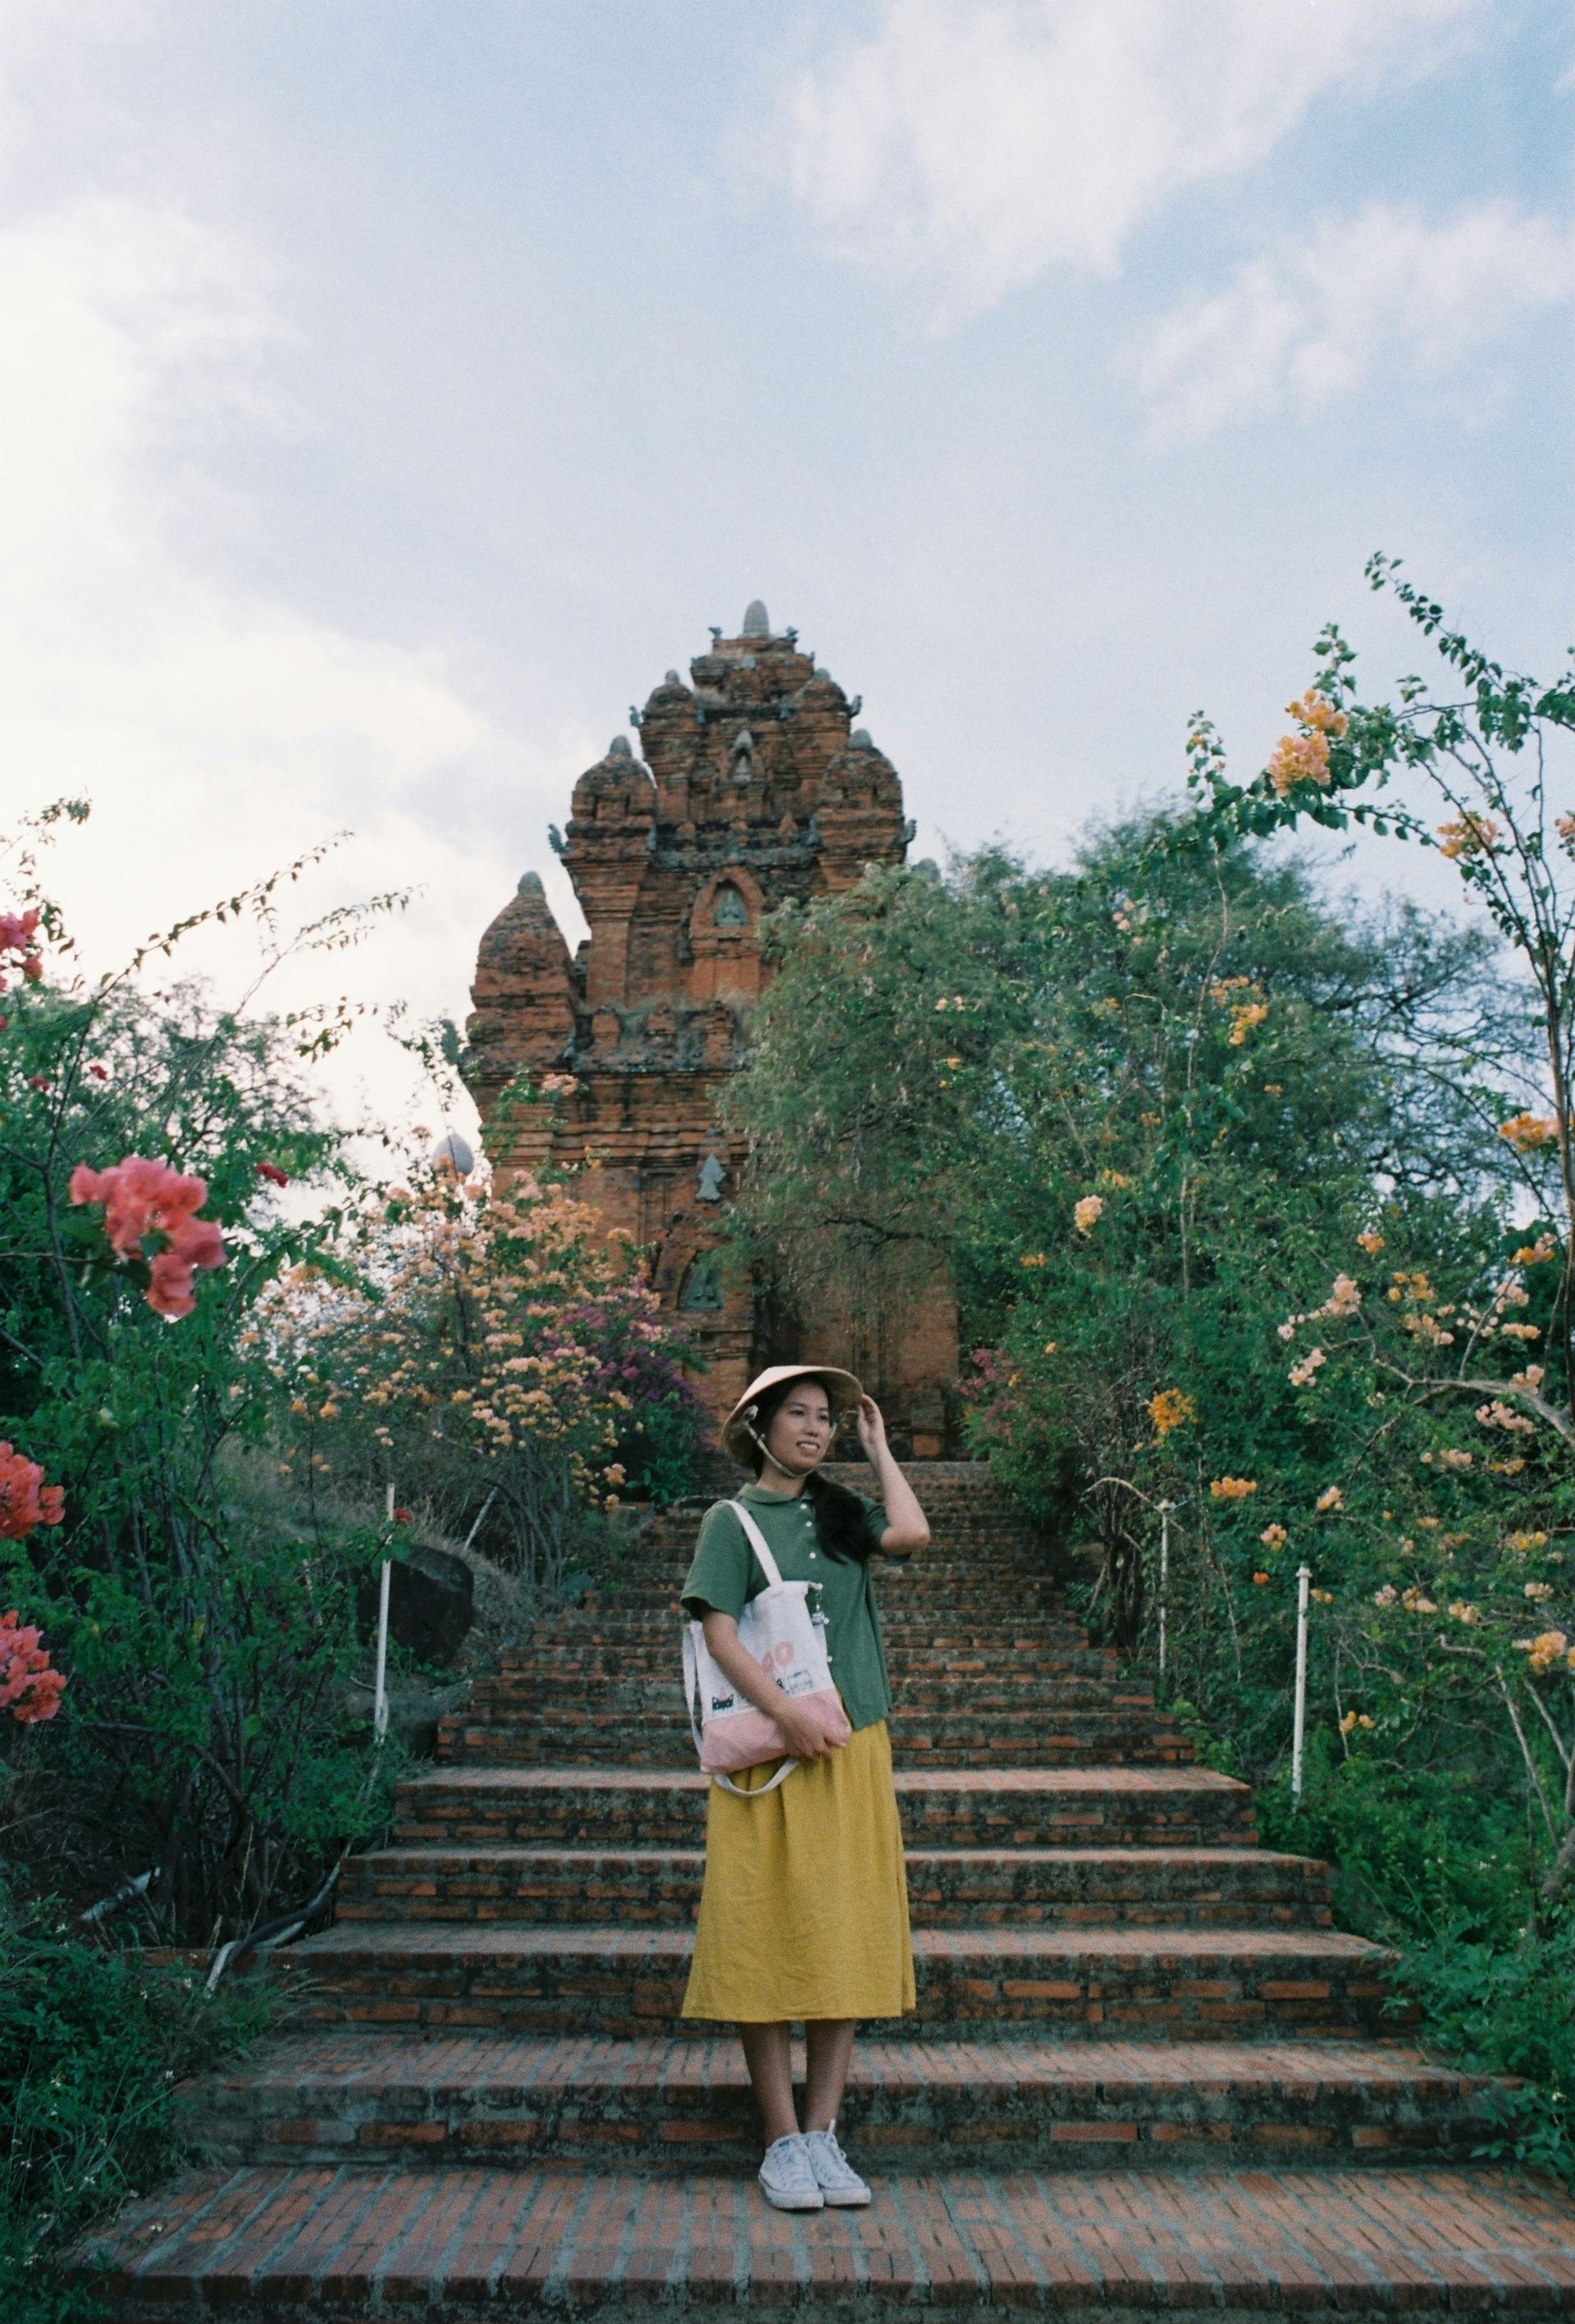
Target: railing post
(379,1697)
(1165,1509)
(1299,1723)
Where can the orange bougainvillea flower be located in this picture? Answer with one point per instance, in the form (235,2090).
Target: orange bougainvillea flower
(142,1198)
(1087,1213)
(1316,710)
(1260,1577)
(1232,1488)
(1299,758)
(25,1500)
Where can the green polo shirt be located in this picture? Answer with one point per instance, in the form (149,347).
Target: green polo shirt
(725,1574)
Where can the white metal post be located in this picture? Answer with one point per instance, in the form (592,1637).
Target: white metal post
(1165,1509)
(1299,1725)
(380,1698)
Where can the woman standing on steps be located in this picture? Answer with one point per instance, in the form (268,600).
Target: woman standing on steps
(803,1914)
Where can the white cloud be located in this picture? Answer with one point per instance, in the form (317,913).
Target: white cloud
(218,727)
(1295,331)
(970,144)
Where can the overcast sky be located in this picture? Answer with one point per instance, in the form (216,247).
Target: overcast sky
(392,390)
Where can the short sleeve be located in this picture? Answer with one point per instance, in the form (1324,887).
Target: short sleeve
(875,1521)
(719,1575)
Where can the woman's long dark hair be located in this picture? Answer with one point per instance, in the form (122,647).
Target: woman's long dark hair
(839,1515)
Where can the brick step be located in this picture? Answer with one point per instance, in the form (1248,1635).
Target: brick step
(622,1688)
(645,2248)
(657,1653)
(908,1598)
(998,1643)
(1087,1984)
(651,1738)
(1036,1807)
(654,2104)
(947,1887)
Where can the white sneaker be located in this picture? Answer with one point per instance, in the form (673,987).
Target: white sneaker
(789,2177)
(835,2175)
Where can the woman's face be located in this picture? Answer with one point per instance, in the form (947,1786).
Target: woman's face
(800,1431)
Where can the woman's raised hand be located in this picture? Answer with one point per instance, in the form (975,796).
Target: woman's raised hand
(872,1427)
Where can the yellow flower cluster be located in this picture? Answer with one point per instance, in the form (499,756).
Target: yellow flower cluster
(1232,1488)
(1526,1132)
(1354,1719)
(1171,1408)
(1543,1653)
(1087,1213)
(1371,1241)
(1329,1502)
(1468,835)
(1303,758)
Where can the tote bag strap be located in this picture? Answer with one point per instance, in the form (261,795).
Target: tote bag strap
(756,1542)
(769,1567)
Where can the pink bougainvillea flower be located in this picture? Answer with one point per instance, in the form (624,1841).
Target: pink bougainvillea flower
(37,1081)
(404,1517)
(99,1073)
(28,1689)
(25,1500)
(143,1197)
(17,930)
(274,1174)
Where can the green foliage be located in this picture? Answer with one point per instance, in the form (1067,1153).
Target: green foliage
(94,2042)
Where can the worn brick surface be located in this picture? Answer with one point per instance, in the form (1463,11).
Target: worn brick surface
(368,2242)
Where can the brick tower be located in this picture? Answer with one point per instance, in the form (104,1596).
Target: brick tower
(754,786)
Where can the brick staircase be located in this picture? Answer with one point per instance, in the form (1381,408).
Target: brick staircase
(1144,2067)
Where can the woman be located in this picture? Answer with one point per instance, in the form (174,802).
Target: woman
(804,1913)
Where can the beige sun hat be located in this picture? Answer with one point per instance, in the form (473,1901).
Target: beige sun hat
(842,1389)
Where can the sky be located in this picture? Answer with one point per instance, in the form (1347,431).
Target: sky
(392,390)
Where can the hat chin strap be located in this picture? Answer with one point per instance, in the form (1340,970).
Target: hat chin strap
(769,1458)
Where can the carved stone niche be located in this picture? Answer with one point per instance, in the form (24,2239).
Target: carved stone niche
(724,936)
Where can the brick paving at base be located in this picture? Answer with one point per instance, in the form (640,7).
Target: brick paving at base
(368,2243)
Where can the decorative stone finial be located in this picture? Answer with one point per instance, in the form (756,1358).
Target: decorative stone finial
(713,1171)
(671,677)
(530,881)
(861,738)
(757,621)
(618,748)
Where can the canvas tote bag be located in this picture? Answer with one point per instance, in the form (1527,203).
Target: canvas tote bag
(785,1639)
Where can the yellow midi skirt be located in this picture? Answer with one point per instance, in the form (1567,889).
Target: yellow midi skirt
(804,1913)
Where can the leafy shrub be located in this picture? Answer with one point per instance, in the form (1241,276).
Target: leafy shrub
(94,2043)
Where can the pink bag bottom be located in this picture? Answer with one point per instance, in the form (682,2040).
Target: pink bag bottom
(749,1737)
